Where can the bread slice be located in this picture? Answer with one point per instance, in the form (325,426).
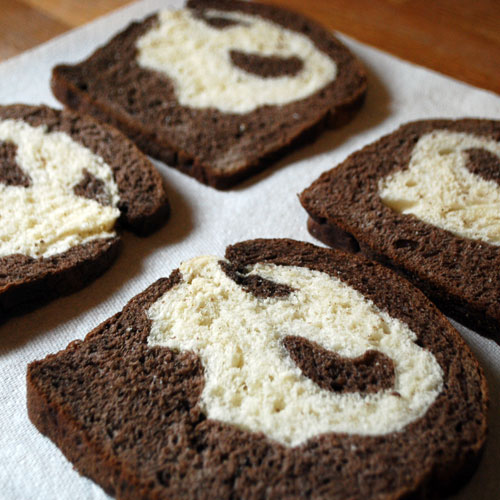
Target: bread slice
(282,371)
(220,89)
(423,200)
(67,183)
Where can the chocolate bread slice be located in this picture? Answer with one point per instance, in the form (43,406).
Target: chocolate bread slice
(282,371)
(424,200)
(218,89)
(67,183)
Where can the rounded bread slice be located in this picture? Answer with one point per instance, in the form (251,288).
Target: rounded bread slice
(423,200)
(219,89)
(284,370)
(67,183)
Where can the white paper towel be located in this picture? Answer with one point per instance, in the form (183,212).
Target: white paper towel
(204,221)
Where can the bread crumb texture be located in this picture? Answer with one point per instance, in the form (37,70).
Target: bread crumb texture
(196,56)
(46,216)
(439,189)
(250,379)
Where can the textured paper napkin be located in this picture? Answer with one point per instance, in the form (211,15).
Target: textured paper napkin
(204,221)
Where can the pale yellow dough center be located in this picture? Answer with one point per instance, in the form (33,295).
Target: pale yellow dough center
(47,218)
(250,379)
(196,57)
(439,189)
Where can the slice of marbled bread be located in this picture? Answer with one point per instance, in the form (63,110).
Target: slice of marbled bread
(282,371)
(424,200)
(66,184)
(218,89)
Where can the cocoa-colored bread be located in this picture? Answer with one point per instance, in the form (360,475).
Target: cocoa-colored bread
(27,280)
(130,414)
(459,272)
(218,148)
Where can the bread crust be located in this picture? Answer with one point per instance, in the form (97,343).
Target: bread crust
(150,440)
(270,131)
(459,274)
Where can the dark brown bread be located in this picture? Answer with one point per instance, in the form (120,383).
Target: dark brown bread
(127,415)
(24,281)
(460,275)
(216,148)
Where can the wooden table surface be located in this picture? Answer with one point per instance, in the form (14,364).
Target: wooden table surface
(460,38)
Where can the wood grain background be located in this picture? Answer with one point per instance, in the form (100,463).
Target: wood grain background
(460,38)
